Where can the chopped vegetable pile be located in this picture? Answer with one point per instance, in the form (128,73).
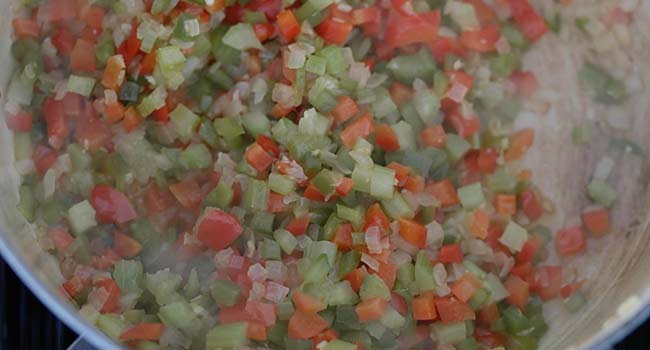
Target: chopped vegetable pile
(293,174)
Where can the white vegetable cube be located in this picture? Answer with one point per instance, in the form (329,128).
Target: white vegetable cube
(81,217)
(514,237)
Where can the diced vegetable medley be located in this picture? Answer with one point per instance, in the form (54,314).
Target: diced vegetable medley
(317,174)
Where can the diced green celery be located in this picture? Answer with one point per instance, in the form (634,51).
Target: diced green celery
(270,250)
(407,68)
(89,313)
(159,6)
(317,270)
(227,336)
(242,37)
(192,287)
(392,319)
(575,302)
(285,310)
(129,275)
(449,333)
(473,268)
(467,344)
(337,344)
(348,262)
(208,134)
(221,196)
(430,161)
(169,65)
(410,115)
(358,238)
(516,322)
(521,342)
(313,123)
(540,327)
(152,102)
(480,297)
(423,273)
(336,63)
(427,104)
(180,315)
(383,105)
(163,285)
(310,8)
(21,86)
(346,318)
(298,344)
(456,147)
(79,157)
(27,204)
(514,237)
(81,217)
(283,131)
(256,196)
(286,240)
(254,17)
(80,249)
(316,64)
(330,226)
(320,290)
(504,64)
(358,337)
(406,274)
(514,37)
(440,83)
(224,292)
(147,345)
(229,127)
(23,147)
(382,182)
(374,287)
(224,54)
(197,156)
(397,207)
(471,196)
(133,316)
(80,85)
(184,121)
(353,215)
(362,177)
(342,294)
(462,14)
(326,181)
(111,324)
(375,329)
(318,248)
(245,168)
(602,193)
(502,182)
(219,77)
(262,222)
(281,184)
(256,123)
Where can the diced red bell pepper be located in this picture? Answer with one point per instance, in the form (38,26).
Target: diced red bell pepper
(111,205)
(218,229)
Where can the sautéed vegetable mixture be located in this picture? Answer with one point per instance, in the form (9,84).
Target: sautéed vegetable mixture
(287,174)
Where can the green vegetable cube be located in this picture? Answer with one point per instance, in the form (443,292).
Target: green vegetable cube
(514,237)
(471,196)
(81,217)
